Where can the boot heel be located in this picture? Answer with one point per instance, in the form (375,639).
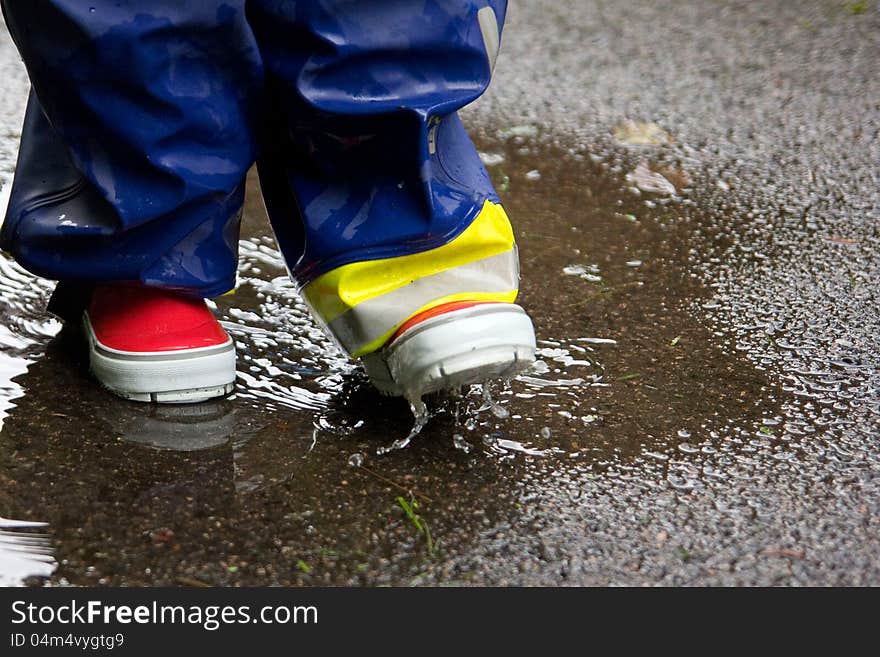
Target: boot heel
(472,345)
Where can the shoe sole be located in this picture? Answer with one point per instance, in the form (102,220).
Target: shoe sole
(163,377)
(473,345)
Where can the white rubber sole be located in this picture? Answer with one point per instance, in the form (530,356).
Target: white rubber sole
(472,345)
(164,377)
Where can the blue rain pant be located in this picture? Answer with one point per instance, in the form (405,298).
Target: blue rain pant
(145,116)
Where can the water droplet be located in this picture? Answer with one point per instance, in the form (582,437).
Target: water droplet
(488,403)
(461,444)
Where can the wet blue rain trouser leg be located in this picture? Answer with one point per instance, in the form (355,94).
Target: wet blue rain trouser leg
(132,161)
(148,114)
(366,144)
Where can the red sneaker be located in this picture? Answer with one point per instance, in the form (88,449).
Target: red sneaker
(152,345)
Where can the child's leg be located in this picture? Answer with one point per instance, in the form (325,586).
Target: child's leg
(377,195)
(136,141)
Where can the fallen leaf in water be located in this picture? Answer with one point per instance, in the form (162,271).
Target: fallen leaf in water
(641,133)
(650,181)
(677,177)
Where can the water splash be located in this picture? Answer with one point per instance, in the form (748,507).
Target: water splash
(590,273)
(504,446)
(24,327)
(420,419)
(490,404)
(476,408)
(284,359)
(287,362)
(24,552)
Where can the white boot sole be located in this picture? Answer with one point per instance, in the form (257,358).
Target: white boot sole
(165,377)
(472,345)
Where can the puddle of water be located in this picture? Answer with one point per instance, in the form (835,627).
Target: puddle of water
(288,471)
(668,459)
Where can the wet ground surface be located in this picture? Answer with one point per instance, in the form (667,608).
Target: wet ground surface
(706,409)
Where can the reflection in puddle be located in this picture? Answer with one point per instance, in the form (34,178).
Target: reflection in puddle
(24,552)
(178,427)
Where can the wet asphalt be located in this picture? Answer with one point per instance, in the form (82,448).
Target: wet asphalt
(706,409)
